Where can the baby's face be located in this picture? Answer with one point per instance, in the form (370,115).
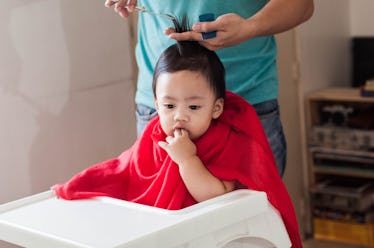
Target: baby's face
(185,101)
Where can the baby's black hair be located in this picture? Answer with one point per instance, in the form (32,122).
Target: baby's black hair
(191,56)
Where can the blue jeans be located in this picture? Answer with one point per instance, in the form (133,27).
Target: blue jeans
(268,113)
(143,115)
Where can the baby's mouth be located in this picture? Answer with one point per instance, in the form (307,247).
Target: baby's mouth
(176,127)
(180,128)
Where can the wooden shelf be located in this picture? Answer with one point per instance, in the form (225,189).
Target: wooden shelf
(344,152)
(329,163)
(351,172)
(340,94)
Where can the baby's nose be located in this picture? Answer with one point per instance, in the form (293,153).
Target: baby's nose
(180,115)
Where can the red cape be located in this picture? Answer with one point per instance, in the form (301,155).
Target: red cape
(234,148)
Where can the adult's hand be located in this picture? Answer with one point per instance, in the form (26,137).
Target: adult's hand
(275,17)
(231,29)
(122,7)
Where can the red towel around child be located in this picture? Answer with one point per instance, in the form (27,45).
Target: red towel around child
(235,147)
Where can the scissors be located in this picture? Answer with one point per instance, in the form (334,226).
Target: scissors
(202,18)
(144,10)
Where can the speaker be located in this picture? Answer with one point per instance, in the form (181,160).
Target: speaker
(362,60)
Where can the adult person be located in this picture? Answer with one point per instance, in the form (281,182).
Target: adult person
(244,42)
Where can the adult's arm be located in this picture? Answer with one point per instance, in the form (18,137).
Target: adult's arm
(275,17)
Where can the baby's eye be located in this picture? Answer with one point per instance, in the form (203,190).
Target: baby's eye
(194,107)
(169,106)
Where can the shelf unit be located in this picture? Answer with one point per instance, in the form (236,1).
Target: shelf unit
(340,156)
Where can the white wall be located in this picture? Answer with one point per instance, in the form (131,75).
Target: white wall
(362,17)
(325,46)
(66,91)
(325,51)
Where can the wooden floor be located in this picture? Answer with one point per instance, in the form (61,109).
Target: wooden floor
(312,243)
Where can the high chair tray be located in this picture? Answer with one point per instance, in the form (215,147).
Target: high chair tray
(43,220)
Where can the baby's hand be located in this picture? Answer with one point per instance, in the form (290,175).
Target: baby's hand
(180,148)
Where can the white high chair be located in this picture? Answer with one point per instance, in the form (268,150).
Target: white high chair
(242,218)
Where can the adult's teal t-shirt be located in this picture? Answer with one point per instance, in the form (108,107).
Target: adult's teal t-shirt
(250,66)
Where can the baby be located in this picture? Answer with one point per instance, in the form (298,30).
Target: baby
(204,142)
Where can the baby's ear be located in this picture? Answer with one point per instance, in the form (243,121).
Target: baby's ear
(218,108)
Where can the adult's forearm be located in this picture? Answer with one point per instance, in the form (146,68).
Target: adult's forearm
(278,16)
